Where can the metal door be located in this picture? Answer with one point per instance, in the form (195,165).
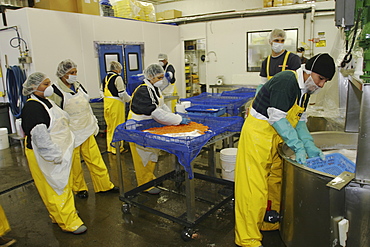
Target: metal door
(133,66)
(108,53)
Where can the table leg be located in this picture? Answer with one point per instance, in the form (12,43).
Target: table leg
(212,160)
(190,199)
(119,168)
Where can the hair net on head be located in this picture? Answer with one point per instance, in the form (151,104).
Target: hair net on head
(277,33)
(114,65)
(152,70)
(162,57)
(65,66)
(32,83)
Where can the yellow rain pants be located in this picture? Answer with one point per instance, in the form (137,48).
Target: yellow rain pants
(61,207)
(99,173)
(144,174)
(258,178)
(4,224)
(114,115)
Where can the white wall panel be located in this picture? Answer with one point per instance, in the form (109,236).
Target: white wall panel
(54,36)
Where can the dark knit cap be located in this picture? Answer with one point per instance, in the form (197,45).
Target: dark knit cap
(322,64)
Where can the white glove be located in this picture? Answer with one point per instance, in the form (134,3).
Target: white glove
(165,117)
(124,96)
(46,147)
(101,94)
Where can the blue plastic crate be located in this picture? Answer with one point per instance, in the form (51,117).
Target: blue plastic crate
(232,103)
(206,110)
(241,92)
(334,164)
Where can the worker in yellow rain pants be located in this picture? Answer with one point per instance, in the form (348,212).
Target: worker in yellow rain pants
(72,97)
(4,228)
(147,103)
(277,115)
(113,90)
(49,149)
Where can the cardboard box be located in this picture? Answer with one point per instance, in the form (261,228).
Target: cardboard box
(172,14)
(60,5)
(89,7)
(159,16)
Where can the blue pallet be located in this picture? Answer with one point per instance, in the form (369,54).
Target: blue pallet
(206,110)
(334,164)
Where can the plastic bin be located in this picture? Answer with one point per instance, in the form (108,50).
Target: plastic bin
(206,110)
(241,92)
(4,117)
(334,164)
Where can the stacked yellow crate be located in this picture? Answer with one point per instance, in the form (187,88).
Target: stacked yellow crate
(148,11)
(133,9)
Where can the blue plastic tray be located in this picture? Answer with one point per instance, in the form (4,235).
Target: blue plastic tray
(334,164)
(206,110)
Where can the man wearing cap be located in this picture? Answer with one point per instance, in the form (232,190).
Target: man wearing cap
(169,88)
(277,115)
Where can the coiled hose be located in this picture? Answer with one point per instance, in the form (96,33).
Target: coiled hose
(15,77)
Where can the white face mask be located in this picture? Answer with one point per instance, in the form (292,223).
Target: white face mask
(48,91)
(158,83)
(310,86)
(72,79)
(161,63)
(277,47)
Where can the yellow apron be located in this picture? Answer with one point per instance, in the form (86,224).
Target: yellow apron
(258,177)
(114,115)
(268,65)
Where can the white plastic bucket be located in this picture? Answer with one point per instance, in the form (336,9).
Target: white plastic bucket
(228,160)
(4,140)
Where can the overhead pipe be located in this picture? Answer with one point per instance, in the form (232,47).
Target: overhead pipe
(312,29)
(294,9)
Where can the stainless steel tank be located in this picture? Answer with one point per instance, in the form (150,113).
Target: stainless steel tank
(310,211)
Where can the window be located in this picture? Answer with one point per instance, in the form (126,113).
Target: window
(109,57)
(133,61)
(258,47)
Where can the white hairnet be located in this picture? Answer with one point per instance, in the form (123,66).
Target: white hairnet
(32,83)
(65,66)
(277,33)
(152,70)
(162,57)
(114,65)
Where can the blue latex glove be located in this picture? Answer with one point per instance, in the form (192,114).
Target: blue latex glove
(259,88)
(290,137)
(306,138)
(168,76)
(185,120)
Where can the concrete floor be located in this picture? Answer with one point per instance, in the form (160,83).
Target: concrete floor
(101,213)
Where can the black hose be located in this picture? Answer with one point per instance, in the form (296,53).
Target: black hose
(15,77)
